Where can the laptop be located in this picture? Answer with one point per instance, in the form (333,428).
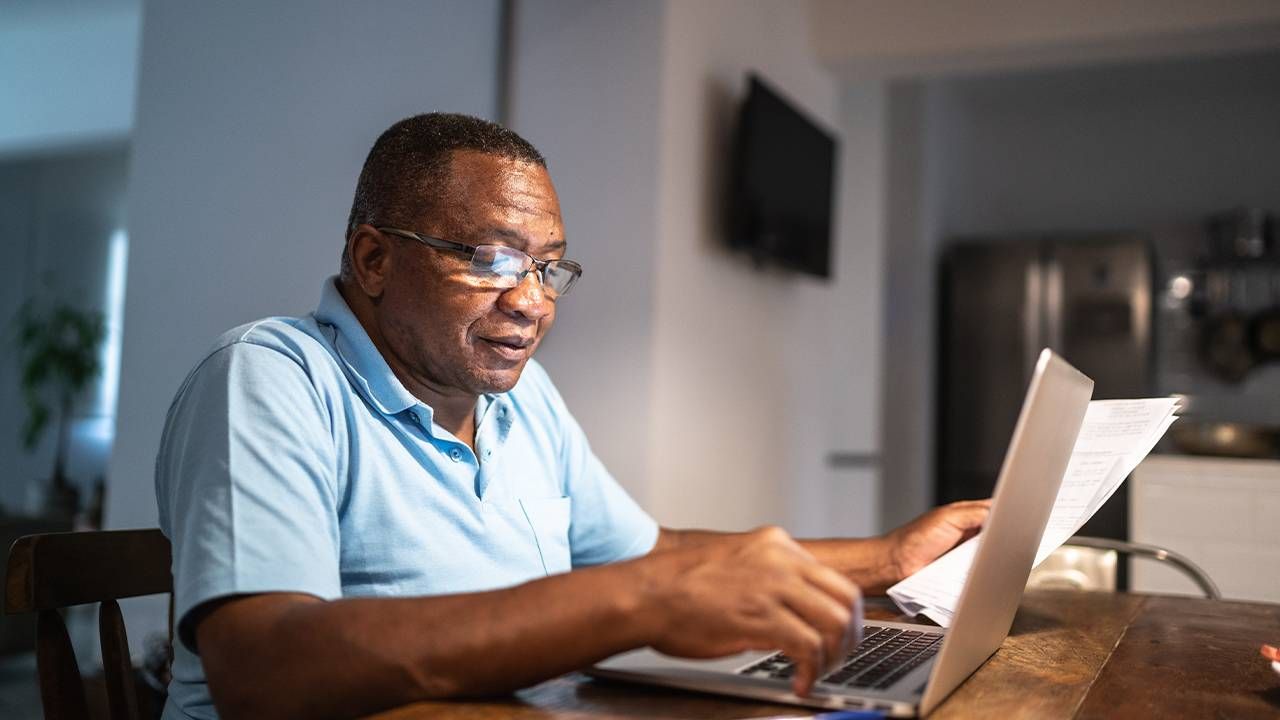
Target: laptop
(901,669)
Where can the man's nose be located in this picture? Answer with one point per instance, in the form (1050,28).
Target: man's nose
(527,298)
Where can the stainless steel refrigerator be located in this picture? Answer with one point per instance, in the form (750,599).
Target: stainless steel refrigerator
(1002,301)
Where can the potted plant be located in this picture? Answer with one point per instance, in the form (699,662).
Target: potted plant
(58,350)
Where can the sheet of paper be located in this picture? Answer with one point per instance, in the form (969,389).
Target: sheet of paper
(1114,437)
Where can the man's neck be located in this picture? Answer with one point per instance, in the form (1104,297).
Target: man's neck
(453,411)
(455,414)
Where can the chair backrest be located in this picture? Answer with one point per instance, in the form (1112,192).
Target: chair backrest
(1154,552)
(51,571)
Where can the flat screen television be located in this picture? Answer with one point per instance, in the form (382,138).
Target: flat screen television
(782,184)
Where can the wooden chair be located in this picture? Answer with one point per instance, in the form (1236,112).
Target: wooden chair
(1089,563)
(18,632)
(56,570)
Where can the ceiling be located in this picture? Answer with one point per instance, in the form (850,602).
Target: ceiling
(878,39)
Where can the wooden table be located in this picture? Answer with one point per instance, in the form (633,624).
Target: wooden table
(1069,655)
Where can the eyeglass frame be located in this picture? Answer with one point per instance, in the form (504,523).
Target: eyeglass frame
(470,251)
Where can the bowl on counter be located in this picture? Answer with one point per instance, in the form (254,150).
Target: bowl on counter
(1225,439)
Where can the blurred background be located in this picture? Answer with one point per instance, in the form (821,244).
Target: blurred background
(993,176)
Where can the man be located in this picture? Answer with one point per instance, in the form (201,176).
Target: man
(382,501)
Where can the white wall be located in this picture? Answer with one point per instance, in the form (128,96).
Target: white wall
(584,88)
(714,390)
(850,395)
(911,186)
(746,381)
(67,73)
(253,120)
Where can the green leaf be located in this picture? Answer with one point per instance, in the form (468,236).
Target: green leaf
(37,421)
(58,354)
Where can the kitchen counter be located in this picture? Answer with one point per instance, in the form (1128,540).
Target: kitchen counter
(1222,513)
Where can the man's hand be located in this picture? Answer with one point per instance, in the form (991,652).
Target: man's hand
(757,591)
(923,540)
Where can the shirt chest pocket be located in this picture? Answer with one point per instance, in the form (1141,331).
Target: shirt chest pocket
(549,520)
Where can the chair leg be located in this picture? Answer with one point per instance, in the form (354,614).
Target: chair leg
(61,689)
(117,666)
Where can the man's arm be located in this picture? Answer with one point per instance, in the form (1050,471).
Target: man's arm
(878,562)
(291,655)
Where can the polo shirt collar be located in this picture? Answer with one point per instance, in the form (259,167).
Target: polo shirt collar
(365,366)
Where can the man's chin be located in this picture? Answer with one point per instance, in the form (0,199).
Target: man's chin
(494,381)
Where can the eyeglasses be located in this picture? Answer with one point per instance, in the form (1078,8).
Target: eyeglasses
(504,267)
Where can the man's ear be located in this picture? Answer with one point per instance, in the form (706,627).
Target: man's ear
(369,252)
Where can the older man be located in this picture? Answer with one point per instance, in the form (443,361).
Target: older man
(387,500)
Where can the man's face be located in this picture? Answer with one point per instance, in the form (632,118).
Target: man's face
(447,329)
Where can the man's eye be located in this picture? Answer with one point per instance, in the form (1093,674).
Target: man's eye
(505,264)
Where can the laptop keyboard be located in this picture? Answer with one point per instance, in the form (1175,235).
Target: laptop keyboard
(883,657)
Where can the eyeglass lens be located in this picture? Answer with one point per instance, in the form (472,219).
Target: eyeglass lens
(505,267)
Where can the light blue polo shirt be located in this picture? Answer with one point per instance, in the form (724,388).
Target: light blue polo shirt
(293,460)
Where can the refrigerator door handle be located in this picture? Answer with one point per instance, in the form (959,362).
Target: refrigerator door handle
(1032,319)
(1054,303)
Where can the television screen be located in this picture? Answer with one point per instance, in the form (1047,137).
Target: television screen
(783,182)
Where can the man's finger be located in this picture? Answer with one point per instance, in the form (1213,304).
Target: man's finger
(854,637)
(969,504)
(823,614)
(969,518)
(845,592)
(799,642)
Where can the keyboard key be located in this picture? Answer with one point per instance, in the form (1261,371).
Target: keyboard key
(884,656)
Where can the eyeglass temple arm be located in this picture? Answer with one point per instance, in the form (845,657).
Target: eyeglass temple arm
(428,240)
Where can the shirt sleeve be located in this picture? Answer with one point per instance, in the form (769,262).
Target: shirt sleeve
(606,524)
(245,482)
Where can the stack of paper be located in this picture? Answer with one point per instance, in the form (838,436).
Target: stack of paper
(1115,436)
